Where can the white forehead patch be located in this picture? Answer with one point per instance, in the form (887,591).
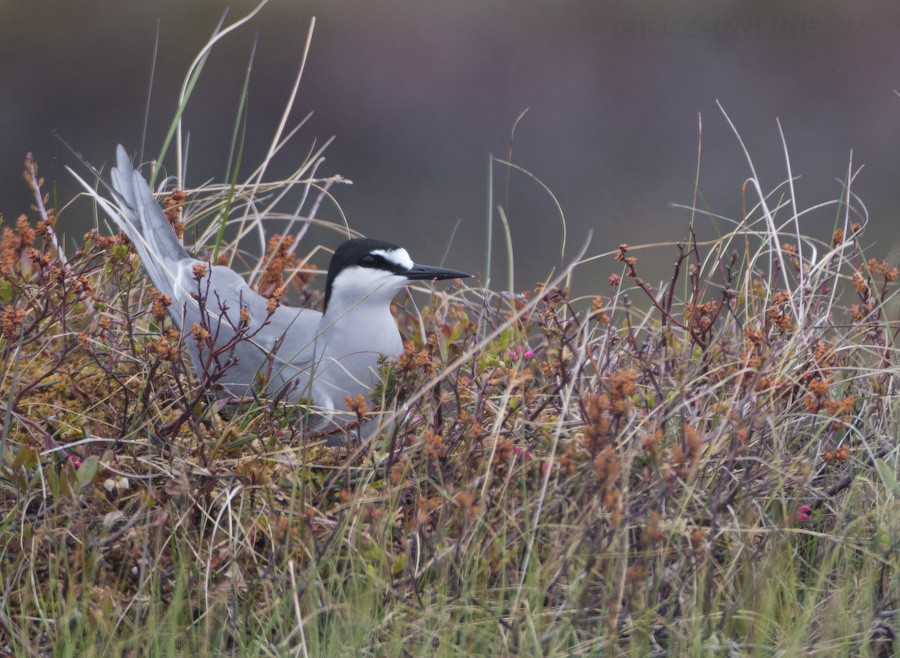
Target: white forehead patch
(396,256)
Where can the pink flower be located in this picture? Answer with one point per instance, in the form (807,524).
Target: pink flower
(519,353)
(76,460)
(518,451)
(546,467)
(803,513)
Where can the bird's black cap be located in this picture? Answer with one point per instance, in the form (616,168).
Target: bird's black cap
(360,252)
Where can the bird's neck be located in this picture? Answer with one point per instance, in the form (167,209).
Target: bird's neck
(365,327)
(376,304)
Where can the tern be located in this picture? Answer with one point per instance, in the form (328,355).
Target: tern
(254,346)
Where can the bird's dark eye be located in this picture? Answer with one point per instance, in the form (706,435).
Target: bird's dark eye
(369,260)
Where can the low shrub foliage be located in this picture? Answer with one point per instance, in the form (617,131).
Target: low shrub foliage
(704,467)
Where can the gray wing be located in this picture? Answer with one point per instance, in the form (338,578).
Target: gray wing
(280,347)
(283,350)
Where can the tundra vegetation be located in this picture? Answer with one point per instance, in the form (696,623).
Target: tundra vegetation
(701,467)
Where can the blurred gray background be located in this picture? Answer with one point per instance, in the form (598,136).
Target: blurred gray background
(419,93)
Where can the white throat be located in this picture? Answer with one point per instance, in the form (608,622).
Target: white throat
(361,288)
(358,326)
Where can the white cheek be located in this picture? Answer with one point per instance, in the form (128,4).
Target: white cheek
(358,283)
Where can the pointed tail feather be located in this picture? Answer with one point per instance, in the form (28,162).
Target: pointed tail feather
(145,224)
